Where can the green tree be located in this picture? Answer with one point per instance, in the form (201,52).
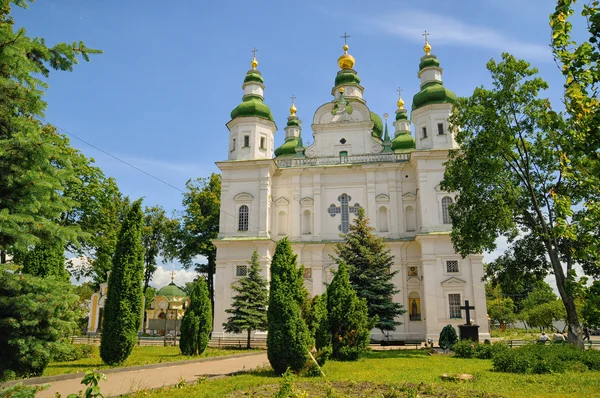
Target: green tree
(319,322)
(123,307)
(500,309)
(155,233)
(543,315)
(349,322)
(36,314)
(197,226)
(34,168)
(370,267)
(591,306)
(196,324)
(288,338)
(46,260)
(249,308)
(508,175)
(541,293)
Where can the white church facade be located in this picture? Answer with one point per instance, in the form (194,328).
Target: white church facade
(310,195)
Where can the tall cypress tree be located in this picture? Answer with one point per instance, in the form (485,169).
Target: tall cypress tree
(196,324)
(249,308)
(349,322)
(370,263)
(123,307)
(288,340)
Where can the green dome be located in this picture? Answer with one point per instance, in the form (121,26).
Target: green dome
(433,93)
(403,142)
(429,61)
(171,290)
(252,105)
(401,114)
(288,147)
(377,125)
(254,76)
(346,76)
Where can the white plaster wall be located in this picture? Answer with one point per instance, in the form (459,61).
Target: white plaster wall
(429,116)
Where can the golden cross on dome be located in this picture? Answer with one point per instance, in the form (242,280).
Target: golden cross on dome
(426,36)
(254,50)
(345,37)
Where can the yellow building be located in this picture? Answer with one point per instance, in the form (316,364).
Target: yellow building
(167,309)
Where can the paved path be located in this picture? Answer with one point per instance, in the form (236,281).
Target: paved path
(127,381)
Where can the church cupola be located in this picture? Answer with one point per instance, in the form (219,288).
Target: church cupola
(432,105)
(347,79)
(403,140)
(252,126)
(293,146)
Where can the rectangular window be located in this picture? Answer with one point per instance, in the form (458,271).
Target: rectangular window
(262,143)
(454,302)
(343,156)
(424,131)
(246,141)
(233,145)
(241,270)
(452,266)
(440,128)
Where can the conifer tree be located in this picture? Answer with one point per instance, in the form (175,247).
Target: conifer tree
(288,340)
(348,318)
(196,324)
(123,307)
(369,264)
(319,325)
(46,260)
(249,308)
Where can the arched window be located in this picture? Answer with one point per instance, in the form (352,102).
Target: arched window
(243,218)
(306,222)
(446,202)
(282,223)
(411,219)
(383,219)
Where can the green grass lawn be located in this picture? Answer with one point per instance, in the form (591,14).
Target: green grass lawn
(139,356)
(375,375)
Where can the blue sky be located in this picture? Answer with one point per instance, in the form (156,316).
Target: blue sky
(160,95)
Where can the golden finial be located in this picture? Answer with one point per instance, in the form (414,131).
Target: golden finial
(254,62)
(426,47)
(385,116)
(341,90)
(293,107)
(400,100)
(346,61)
(172,276)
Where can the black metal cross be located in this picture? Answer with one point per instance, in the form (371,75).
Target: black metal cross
(345,37)
(345,210)
(467,309)
(254,50)
(426,35)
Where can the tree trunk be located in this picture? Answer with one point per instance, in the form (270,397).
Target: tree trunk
(248,345)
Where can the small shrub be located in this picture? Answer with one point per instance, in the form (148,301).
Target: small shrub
(464,349)
(448,337)
(66,352)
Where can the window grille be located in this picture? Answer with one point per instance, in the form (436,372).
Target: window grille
(452,266)
(241,270)
(454,301)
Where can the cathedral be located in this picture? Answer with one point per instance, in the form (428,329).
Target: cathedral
(311,195)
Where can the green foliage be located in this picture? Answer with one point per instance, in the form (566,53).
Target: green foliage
(319,325)
(448,337)
(510,182)
(288,339)
(470,349)
(46,260)
(35,315)
(123,307)
(157,228)
(500,309)
(35,161)
(591,307)
(370,268)
(197,321)
(92,381)
(286,386)
(249,308)
(19,390)
(543,315)
(65,352)
(545,358)
(541,293)
(191,236)
(349,322)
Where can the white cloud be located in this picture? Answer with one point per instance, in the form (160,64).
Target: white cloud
(162,277)
(409,25)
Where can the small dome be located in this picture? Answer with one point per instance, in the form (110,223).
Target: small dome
(288,147)
(401,114)
(252,106)
(429,61)
(171,290)
(433,93)
(346,61)
(403,142)
(346,76)
(377,125)
(254,76)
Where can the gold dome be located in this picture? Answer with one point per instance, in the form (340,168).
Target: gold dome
(254,63)
(400,103)
(293,109)
(427,48)
(346,61)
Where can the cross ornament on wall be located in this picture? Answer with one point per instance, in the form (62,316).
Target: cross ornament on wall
(467,309)
(344,209)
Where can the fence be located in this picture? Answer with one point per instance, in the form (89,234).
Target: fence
(215,342)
